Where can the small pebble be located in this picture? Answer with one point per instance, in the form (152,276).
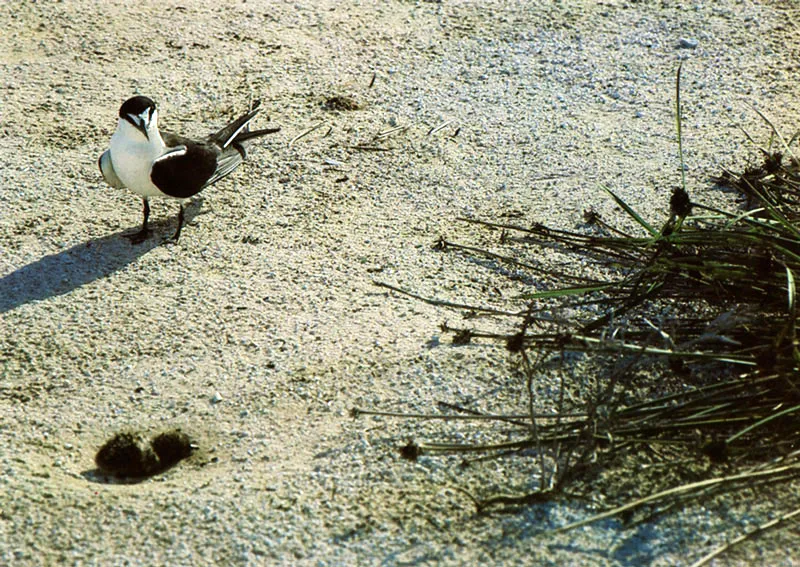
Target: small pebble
(687,43)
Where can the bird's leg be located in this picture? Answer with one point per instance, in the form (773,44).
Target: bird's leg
(142,235)
(180,225)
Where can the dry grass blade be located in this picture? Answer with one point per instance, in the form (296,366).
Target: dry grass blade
(441,126)
(749,535)
(305,133)
(686,488)
(390,132)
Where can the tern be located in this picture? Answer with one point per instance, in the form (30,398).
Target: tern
(161,164)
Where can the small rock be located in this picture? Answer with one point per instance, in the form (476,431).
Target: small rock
(687,43)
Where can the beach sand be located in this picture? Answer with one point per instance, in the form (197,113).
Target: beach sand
(262,328)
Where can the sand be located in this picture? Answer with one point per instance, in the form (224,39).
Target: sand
(261,329)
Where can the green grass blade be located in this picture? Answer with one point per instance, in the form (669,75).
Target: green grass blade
(633,214)
(761,422)
(775,131)
(678,121)
(567,291)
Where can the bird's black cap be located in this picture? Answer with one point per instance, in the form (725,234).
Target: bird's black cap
(135,106)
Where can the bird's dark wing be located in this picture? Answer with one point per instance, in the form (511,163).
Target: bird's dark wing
(185,168)
(229,159)
(107,169)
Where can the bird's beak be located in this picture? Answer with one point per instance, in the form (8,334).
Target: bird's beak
(140,122)
(142,127)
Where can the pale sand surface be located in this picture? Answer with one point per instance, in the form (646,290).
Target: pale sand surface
(261,329)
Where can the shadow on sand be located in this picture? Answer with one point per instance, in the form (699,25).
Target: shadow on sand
(81,264)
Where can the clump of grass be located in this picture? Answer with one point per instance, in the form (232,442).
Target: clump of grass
(711,292)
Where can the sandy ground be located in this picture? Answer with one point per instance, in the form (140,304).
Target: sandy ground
(261,329)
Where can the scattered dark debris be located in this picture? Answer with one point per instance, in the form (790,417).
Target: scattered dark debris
(516,342)
(341,103)
(410,451)
(131,454)
(440,244)
(463,337)
(250,239)
(590,216)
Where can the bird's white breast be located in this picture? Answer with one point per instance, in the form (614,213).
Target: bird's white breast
(133,155)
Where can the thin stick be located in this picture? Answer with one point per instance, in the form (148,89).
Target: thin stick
(757,531)
(678,120)
(441,126)
(775,130)
(676,491)
(470,417)
(449,303)
(515,262)
(305,133)
(390,131)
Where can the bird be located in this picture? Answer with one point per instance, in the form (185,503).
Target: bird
(162,164)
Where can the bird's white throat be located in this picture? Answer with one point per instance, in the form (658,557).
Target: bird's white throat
(133,154)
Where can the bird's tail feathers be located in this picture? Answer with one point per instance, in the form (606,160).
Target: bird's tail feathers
(246,135)
(229,133)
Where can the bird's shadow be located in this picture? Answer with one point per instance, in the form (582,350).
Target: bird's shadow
(65,271)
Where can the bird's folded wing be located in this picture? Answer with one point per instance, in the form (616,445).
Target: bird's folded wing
(184,170)
(107,169)
(228,160)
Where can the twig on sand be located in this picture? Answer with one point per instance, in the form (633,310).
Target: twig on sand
(305,133)
(449,303)
(441,126)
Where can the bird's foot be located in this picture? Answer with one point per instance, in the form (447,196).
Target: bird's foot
(174,238)
(170,240)
(139,237)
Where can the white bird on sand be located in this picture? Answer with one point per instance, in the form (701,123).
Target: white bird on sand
(155,164)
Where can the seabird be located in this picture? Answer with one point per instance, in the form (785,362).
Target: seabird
(161,164)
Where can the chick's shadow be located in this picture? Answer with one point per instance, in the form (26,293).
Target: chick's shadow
(65,271)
